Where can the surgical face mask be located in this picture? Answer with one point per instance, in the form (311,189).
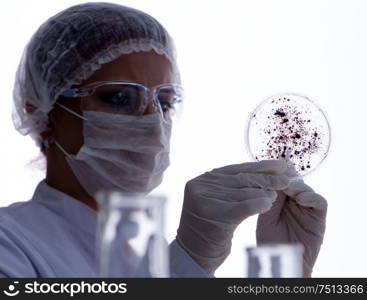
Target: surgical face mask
(121,152)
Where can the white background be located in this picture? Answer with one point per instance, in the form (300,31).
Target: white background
(232,55)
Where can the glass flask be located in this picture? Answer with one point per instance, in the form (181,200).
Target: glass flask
(130,239)
(275,260)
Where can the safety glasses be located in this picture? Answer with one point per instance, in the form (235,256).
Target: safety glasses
(120,97)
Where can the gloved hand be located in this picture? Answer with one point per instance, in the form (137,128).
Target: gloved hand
(216,202)
(297,216)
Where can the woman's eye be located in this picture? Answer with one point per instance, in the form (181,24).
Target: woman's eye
(166,105)
(167,99)
(115,98)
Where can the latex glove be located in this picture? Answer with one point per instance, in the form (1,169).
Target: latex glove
(216,202)
(297,216)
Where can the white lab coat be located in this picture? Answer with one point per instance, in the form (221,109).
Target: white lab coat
(53,235)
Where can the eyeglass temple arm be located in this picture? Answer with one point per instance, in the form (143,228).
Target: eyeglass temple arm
(74,93)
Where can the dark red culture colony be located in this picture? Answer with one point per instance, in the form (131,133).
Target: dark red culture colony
(290,135)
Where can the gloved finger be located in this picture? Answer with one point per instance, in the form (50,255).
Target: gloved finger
(312,200)
(307,225)
(296,187)
(231,194)
(311,219)
(243,180)
(274,167)
(292,172)
(214,207)
(236,212)
(251,207)
(305,196)
(284,207)
(273,214)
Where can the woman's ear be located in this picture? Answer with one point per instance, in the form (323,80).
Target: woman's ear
(47,139)
(47,136)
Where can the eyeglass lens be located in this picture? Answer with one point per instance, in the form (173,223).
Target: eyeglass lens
(131,99)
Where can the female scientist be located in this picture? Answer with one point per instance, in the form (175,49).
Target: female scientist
(96,89)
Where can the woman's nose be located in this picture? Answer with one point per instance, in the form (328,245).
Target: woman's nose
(151,108)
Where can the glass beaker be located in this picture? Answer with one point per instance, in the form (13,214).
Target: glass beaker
(130,237)
(275,260)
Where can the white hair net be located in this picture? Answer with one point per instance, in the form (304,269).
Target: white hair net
(70,46)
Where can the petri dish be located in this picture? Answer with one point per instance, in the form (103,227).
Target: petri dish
(289,126)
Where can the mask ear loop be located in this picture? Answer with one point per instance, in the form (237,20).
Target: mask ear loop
(75,114)
(61,148)
(71,111)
